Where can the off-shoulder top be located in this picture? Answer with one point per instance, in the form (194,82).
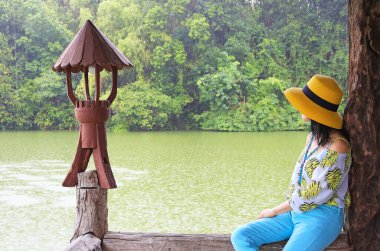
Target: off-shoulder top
(322,180)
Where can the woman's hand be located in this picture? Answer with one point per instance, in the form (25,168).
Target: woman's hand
(267,213)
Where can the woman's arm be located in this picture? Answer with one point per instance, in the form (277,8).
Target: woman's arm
(282,208)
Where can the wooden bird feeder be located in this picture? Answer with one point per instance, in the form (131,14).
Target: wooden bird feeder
(91,48)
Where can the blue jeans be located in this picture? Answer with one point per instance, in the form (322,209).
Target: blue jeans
(312,231)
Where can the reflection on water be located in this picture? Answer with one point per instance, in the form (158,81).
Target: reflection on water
(184,182)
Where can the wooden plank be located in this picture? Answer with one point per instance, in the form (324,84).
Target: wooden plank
(189,242)
(155,241)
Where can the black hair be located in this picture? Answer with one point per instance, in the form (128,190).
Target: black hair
(322,132)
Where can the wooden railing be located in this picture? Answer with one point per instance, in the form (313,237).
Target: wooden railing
(91,229)
(118,241)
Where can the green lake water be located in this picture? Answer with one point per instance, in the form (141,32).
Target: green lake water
(170,182)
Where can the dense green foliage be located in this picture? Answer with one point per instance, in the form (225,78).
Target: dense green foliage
(211,65)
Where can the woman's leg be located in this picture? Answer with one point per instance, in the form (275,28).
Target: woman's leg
(262,231)
(315,230)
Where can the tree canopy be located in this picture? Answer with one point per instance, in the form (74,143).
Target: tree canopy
(210,65)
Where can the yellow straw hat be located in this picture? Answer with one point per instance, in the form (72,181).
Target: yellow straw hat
(318,100)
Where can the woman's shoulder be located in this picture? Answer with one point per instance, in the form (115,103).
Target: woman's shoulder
(339,144)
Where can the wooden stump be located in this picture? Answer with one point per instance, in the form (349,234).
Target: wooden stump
(92,214)
(92,211)
(87,242)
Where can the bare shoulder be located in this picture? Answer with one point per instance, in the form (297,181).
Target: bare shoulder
(340,144)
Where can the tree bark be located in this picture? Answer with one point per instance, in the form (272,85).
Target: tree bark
(87,242)
(92,211)
(362,121)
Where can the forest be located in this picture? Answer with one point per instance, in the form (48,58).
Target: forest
(198,65)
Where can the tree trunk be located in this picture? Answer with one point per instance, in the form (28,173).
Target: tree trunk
(362,121)
(92,211)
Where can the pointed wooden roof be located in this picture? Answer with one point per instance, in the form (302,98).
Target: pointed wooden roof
(88,48)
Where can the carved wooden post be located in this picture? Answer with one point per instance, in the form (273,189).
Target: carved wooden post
(91,48)
(362,122)
(92,213)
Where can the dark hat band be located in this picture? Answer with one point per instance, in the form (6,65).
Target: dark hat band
(318,100)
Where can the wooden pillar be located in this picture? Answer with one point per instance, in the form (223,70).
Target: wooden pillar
(70,92)
(92,213)
(97,83)
(86,85)
(362,121)
(113,93)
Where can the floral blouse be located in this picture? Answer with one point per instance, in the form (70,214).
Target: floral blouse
(324,180)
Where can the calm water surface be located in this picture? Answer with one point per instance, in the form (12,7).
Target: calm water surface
(178,182)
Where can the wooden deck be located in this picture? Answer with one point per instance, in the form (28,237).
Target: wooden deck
(119,241)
